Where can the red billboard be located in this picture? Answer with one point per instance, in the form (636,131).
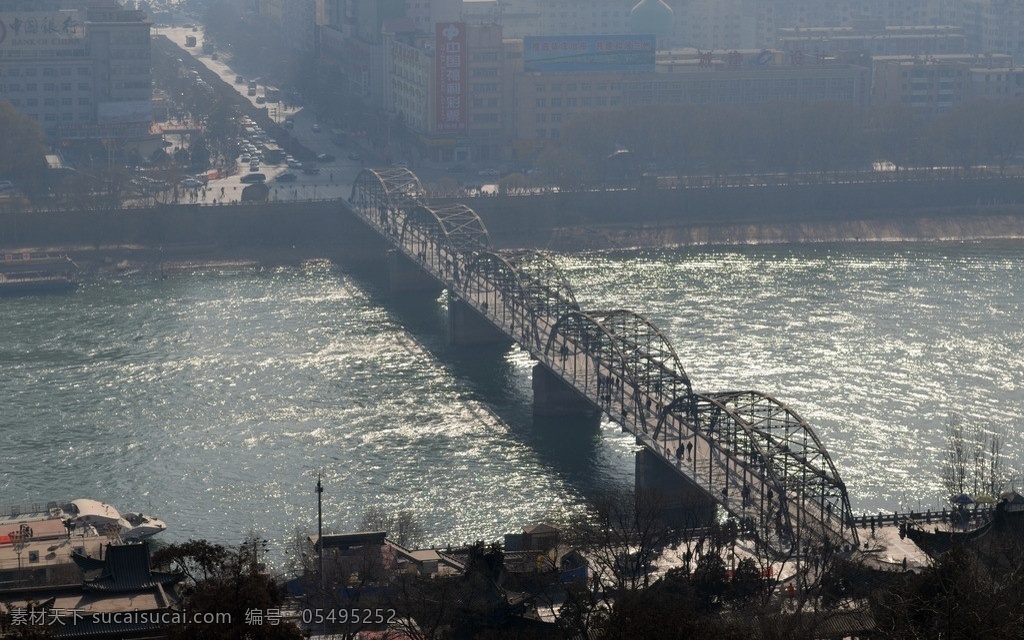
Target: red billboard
(450,63)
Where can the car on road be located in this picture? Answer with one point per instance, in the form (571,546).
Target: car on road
(294,164)
(239,80)
(325,157)
(287,176)
(316,128)
(311,171)
(251,178)
(261,99)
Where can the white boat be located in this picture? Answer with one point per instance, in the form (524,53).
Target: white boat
(87,516)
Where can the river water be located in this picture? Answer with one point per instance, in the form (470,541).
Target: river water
(213,398)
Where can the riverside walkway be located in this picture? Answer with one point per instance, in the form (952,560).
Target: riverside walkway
(745,450)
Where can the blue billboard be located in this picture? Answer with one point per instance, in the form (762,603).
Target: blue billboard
(589,53)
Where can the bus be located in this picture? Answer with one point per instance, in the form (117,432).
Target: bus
(272,154)
(252,88)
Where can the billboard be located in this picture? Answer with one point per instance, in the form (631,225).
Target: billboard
(120,112)
(450,62)
(589,53)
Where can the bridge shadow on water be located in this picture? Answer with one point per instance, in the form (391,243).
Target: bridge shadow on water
(572,448)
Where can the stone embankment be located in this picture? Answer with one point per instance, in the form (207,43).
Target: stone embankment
(565,222)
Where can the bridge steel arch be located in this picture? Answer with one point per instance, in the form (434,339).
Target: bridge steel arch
(519,291)
(383,195)
(746,450)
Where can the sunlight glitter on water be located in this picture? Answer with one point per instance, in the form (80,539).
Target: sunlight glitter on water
(212,399)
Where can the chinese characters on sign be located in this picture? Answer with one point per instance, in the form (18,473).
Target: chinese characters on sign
(450,62)
(589,53)
(39,29)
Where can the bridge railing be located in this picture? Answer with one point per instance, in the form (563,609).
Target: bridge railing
(746,486)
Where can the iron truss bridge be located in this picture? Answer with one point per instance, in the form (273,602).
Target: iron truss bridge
(746,450)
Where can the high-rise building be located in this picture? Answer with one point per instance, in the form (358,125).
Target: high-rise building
(81,68)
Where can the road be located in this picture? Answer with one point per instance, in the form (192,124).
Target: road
(335,178)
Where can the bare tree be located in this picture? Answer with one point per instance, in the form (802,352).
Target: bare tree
(402,528)
(974,460)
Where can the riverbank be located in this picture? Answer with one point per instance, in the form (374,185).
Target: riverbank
(177,239)
(955,224)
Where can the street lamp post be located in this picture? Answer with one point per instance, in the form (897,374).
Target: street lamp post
(320,527)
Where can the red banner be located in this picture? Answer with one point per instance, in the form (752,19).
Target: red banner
(452,91)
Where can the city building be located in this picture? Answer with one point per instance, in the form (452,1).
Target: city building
(81,68)
(875,39)
(932,85)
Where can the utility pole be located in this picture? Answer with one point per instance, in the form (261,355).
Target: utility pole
(320,526)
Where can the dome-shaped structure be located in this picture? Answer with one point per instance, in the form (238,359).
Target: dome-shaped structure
(652,16)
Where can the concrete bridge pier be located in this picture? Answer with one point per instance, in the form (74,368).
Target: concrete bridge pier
(686,504)
(466,326)
(406,275)
(553,397)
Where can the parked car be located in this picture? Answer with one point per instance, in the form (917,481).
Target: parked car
(287,176)
(245,158)
(294,164)
(191,183)
(326,157)
(250,178)
(239,80)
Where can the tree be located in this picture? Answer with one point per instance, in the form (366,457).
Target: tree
(226,581)
(957,597)
(402,528)
(974,462)
(620,537)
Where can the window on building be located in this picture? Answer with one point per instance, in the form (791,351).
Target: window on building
(540,103)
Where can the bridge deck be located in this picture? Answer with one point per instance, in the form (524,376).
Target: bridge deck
(747,451)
